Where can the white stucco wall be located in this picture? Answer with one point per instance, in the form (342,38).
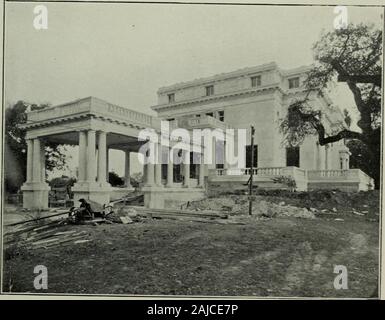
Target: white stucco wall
(263,109)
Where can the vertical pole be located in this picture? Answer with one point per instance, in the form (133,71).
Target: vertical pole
(202,170)
(251,172)
(186,169)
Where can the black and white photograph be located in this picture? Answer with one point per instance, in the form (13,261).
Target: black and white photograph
(197,150)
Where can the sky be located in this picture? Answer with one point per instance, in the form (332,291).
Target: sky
(123,53)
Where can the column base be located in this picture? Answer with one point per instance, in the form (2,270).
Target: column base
(94,191)
(35,195)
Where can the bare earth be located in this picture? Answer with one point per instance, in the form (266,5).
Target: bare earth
(265,257)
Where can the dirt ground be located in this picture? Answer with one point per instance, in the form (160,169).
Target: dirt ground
(281,256)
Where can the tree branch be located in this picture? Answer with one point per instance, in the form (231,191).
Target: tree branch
(323,139)
(374,79)
(365,122)
(344,134)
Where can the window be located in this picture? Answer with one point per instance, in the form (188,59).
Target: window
(171,97)
(256,81)
(248,156)
(220,148)
(197,116)
(209,90)
(211,114)
(221,116)
(292,157)
(194,172)
(294,83)
(170,119)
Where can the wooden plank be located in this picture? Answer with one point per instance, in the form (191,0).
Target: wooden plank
(57,243)
(214,214)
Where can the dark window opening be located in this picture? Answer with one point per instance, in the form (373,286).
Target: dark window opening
(193,165)
(294,83)
(171,97)
(177,173)
(164,171)
(256,81)
(248,156)
(221,116)
(209,90)
(292,157)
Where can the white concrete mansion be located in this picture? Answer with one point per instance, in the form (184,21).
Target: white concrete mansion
(257,96)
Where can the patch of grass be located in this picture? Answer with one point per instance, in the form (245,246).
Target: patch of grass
(273,257)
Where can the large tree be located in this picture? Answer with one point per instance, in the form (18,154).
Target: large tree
(351,56)
(16,147)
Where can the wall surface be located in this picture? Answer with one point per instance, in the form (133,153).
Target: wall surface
(263,107)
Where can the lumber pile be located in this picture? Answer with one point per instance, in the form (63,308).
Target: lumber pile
(198,216)
(51,234)
(134,198)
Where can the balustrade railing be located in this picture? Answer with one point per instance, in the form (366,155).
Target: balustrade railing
(314,174)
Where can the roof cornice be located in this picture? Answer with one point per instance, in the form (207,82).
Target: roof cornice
(219,77)
(214,98)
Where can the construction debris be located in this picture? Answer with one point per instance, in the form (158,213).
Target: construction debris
(49,235)
(175,214)
(126,220)
(238,205)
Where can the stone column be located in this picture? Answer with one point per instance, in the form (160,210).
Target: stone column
(107,165)
(326,157)
(102,148)
(201,181)
(158,175)
(35,193)
(29,161)
(36,161)
(150,181)
(170,170)
(186,170)
(42,160)
(344,158)
(91,174)
(127,178)
(224,154)
(150,174)
(158,166)
(82,156)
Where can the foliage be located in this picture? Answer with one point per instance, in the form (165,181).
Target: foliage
(16,147)
(115,180)
(62,181)
(136,179)
(288,181)
(353,56)
(359,157)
